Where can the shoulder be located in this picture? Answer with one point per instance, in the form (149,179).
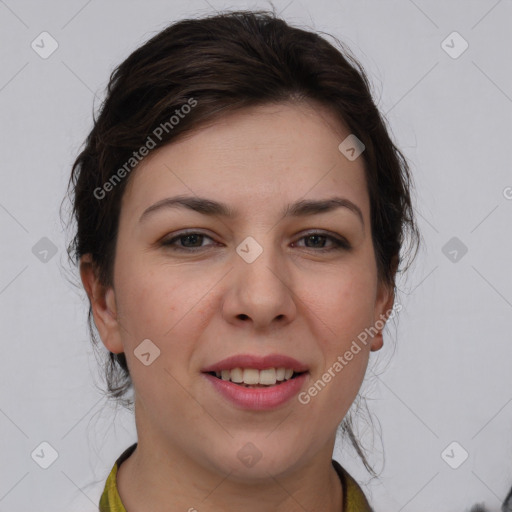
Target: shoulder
(110,500)
(354,499)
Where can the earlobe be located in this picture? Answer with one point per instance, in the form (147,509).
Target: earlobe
(103,305)
(377,342)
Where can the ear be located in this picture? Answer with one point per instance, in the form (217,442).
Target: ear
(383,308)
(103,305)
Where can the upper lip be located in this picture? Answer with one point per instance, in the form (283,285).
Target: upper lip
(257,362)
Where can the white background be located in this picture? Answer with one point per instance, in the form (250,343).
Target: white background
(449,378)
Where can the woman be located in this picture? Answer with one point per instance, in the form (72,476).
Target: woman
(240,213)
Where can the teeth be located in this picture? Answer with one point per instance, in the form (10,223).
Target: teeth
(237,375)
(267,377)
(251,376)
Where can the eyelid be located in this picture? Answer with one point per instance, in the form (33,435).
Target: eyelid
(176,236)
(340,243)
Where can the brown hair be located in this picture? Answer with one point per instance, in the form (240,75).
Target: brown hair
(223,63)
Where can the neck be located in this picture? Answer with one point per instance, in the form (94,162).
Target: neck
(170,481)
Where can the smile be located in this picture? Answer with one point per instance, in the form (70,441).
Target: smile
(253,378)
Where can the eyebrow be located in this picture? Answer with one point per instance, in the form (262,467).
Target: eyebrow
(213,208)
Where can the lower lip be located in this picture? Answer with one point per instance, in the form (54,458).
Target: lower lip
(258,398)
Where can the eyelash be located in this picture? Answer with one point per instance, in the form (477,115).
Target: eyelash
(339,243)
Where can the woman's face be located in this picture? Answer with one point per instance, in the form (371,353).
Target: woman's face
(266,281)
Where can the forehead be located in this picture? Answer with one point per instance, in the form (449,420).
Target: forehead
(252,159)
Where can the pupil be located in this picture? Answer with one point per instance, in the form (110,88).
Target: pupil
(317,237)
(187,237)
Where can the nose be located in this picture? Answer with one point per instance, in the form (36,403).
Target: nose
(260,292)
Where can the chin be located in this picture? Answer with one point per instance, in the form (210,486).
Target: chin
(253,462)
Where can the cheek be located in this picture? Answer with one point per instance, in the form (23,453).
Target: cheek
(342,308)
(156,306)
(163,305)
(343,301)
(332,390)
(143,313)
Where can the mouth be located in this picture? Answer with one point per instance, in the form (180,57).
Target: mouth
(254,378)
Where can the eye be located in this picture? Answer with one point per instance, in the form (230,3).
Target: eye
(191,241)
(318,239)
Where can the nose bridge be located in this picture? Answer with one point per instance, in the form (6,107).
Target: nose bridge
(260,287)
(260,261)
